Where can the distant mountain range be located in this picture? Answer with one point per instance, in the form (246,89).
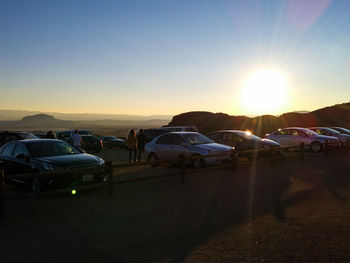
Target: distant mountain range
(16,115)
(337,115)
(48,122)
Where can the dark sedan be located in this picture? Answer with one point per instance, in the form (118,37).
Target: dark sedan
(244,140)
(91,143)
(8,136)
(342,130)
(112,141)
(43,155)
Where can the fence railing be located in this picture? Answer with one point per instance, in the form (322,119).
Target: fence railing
(108,168)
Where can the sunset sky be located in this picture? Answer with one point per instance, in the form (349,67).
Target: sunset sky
(168,57)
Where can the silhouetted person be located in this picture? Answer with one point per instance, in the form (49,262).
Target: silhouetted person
(141,142)
(77,141)
(132,142)
(61,137)
(50,135)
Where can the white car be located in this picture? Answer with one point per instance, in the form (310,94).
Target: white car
(170,146)
(293,136)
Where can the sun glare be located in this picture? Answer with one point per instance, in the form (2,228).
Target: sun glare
(264,92)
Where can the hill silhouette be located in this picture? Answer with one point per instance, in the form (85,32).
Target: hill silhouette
(337,115)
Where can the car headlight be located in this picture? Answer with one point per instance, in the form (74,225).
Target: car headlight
(50,167)
(100,161)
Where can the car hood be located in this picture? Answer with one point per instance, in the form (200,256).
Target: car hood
(325,137)
(268,142)
(344,136)
(214,147)
(74,160)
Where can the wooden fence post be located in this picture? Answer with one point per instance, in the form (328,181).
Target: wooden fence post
(183,170)
(109,172)
(234,160)
(302,150)
(326,148)
(2,203)
(272,156)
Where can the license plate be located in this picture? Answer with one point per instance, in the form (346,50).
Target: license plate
(88,177)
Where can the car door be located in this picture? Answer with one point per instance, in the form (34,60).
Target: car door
(298,136)
(178,146)
(286,138)
(21,159)
(163,147)
(7,163)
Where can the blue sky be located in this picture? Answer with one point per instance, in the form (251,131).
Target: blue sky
(168,57)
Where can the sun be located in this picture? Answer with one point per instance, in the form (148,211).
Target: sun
(264,92)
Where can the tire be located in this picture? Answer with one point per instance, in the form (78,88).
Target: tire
(36,185)
(153,159)
(316,147)
(197,163)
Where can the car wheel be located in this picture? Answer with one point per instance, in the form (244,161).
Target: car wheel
(197,163)
(316,147)
(36,185)
(153,159)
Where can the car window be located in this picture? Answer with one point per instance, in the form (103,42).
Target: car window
(7,151)
(20,149)
(213,136)
(165,139)
(176,139)
(27,136)
(50,148)
(197,138)
(283,132)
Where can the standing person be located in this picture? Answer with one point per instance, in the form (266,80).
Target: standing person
(77,141)
(132,141)
(61,137)
(50,135)
(141,142)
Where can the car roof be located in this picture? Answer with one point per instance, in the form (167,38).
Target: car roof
(182,132)
(38,140)
(233,131)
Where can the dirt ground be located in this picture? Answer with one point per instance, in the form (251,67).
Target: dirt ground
(292,212)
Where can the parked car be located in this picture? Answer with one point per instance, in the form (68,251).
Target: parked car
(343,138)
(180,128)
(91,143)
(8,136)
(341,130)
(244,140)
(112,141)
(170,146)
(293,136)
(67,135)
(42,155)
(153,133)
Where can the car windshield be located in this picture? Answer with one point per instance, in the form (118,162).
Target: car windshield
(343,130)
(249,136)
(84,132)
(27,136)
(110,138)
(332,131)
(50,148)
(310,132)
(196,138)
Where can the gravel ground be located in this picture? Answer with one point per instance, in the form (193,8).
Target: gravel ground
(292,212)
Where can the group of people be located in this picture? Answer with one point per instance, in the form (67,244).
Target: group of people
(136,145)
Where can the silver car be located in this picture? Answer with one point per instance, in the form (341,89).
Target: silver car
(343,138)
(293,136)
(170,146)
